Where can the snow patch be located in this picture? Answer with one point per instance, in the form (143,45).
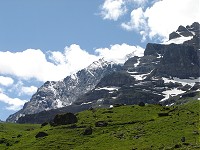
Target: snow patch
(139,76)
(159,55)
(59,103)
(171,92)
(108,88)
(100,100)
(74,76)
(138,62)
(91,73)
(190,82)
(179,40)
(114,97)
(86,103)
(98,64)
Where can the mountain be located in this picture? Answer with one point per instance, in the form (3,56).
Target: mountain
(53,95)
(166,73)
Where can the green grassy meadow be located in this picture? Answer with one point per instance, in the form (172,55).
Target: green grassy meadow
(129,128)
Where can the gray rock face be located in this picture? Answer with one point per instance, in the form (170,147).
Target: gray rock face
(186,31)
(184,60)
(53,95)
(174,35)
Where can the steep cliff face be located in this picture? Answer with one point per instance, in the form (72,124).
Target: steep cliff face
(180,61)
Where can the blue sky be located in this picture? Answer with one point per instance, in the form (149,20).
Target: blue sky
(52,25)
(44,40)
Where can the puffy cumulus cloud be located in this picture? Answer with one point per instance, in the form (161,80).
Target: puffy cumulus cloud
(113,9)
(27,64)
(137,21)
(78,58)
(163,17)
(6,81)
(21,89)
(55,65)
(28,90)
(118,53)
(33,63)
(72,60)
(13,103)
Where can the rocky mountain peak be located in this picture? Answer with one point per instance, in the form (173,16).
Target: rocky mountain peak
(99,64)
(195,27)
(53,95)
(187,31)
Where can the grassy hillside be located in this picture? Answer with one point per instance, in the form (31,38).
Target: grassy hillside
(128,128)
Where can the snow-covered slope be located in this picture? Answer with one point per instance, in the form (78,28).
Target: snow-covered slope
(178,40)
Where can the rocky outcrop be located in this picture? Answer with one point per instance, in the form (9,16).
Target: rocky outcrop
(64,119)
(41,134)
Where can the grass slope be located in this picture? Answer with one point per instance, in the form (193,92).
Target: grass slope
(129,127)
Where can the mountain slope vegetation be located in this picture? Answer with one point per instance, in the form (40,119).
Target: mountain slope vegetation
(122,127)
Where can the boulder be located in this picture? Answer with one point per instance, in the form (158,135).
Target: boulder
(141,104)
(163,114)
(101,124)
(87,131)
(41,134)
(44,124)
(64,119)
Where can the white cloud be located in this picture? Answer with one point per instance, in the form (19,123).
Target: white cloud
(6,81)
(137,21)
(163,17)
(28,90)
(72,60)
(14,103)
(20,89)
(118,53)
(34,63)
(113,9)
(27,64)
(77,58)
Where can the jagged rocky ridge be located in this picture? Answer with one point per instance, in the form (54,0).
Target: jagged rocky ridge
(53,95)
(164,74)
